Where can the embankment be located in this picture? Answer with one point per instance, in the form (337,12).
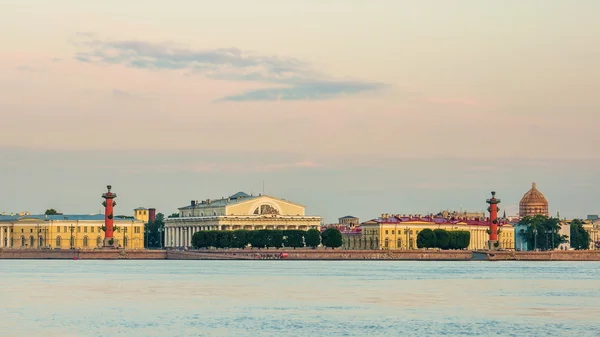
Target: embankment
(70,254)
(557,255)
(321,254)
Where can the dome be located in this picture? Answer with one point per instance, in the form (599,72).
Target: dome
(533,203)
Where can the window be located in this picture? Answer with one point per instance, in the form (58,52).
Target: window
(58,241)
(92,229)
(22,241)
(41,242)
(72,241)
(125,241)
(30,230)
(386,231)
(78,229)
(85,229)
(65,229)
(99,241)
(85,240)
(31,242)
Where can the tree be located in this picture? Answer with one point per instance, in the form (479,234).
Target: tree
(426,239)
(174,215)
(293,238)
(203,239)
(442,238)
(542,232)
(312,238)
(259,238)
(51,211)
(241,238)
(580,238)
(155,229)
(332,237)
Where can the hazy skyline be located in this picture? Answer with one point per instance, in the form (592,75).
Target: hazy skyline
(362,109)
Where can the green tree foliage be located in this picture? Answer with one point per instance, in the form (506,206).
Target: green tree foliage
(426,239)
(442,238)
(293,238)
(174,215)
(312,238)
(154,236)
(542,232)
(580,238)
(332,238)
(51,211)
(263,238)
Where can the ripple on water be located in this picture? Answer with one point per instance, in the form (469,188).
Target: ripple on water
(299,298)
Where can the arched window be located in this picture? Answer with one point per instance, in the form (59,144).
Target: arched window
(85,241)
(399,243)
(31,241)
(125,241)
(22,241)
(41,242)
(58,241)
(72,243)
(99,242)
(386,243)
(266,209)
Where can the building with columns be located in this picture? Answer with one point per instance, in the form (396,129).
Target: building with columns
(66,231)
(239,211)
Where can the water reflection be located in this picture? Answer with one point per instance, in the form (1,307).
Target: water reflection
(298,298)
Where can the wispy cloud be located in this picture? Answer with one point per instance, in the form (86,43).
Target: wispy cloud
(295,79)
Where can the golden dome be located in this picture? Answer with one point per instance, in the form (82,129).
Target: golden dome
(533,203)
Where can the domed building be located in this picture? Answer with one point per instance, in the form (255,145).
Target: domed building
(533,203)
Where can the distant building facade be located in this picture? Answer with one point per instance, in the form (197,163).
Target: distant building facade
(145,214)
(401,231)
(66,231)
(349,221)
(239,211)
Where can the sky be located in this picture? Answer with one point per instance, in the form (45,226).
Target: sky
(348,107)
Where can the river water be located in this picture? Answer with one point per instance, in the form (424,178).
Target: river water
(298,298)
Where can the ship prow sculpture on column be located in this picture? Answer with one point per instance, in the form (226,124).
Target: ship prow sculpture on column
(109,203)
(493,243)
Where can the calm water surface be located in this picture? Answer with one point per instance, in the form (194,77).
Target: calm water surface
(298,298)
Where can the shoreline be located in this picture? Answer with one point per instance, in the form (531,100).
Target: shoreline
(298,255)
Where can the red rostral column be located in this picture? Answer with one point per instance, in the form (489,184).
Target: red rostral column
(493,209)
(108,214)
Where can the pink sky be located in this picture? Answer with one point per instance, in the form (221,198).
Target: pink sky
(356,85)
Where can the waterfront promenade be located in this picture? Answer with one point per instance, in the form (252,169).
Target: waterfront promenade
(300,254)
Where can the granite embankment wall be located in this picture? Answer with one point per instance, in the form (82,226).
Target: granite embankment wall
(557,255)
(70,254)
(303,254)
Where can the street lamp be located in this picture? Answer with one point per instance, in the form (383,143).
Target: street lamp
(72,239)
(161,230)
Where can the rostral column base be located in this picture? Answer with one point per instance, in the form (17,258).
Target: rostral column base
(115,243)
(493,245)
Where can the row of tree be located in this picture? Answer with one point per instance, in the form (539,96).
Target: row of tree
(543,233)
(443,239)
(266,238)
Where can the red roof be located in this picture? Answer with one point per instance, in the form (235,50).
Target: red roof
(435,220)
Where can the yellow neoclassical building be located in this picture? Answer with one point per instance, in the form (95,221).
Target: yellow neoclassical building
(400,231)
(239,211)
(67,231)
